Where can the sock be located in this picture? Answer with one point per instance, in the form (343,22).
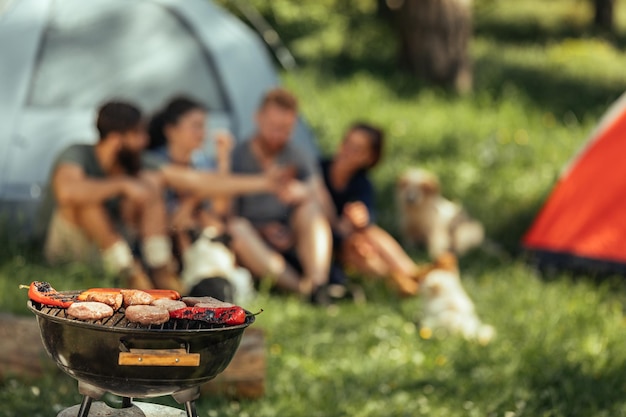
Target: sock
(117,258)
(157,251)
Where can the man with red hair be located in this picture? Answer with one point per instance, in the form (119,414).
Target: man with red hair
(284,235)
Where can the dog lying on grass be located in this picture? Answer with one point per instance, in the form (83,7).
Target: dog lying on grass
(426,217)
(446,304)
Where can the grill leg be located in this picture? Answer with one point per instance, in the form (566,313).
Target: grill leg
(85,405)
(190,408)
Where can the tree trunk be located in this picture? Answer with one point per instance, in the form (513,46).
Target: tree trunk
(435,38)
(603,17)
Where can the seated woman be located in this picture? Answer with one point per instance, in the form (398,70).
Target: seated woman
(359,243)
(177,135)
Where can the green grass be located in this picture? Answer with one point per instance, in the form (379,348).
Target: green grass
(542,80)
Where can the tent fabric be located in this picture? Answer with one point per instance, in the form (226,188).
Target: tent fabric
(582,221)
(133,47)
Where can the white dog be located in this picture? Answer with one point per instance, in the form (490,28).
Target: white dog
(446,304)
(429,218)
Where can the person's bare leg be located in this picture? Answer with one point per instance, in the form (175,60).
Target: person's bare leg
(391,251)
(95,222)
(384,257)
(403,270)
(151,219)
(313,244)
(152,215)
(358,254)
(257,257)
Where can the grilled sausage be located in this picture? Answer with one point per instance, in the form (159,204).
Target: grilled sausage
(169,305)
(136,297)
(112,299)
(145,314)
(89,310)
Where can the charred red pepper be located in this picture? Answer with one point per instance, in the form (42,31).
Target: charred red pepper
(43,293)
(232,315)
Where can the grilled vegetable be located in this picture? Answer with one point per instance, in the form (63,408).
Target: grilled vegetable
(233,315)
(43,293)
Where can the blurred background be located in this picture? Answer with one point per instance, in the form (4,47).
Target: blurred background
(494,96)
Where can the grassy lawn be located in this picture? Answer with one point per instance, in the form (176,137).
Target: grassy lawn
(542,80)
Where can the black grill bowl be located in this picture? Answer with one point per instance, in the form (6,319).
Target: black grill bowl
(89,352)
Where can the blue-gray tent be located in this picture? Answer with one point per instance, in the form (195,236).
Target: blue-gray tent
(61,59)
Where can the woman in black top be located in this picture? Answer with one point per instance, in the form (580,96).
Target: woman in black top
(359,243)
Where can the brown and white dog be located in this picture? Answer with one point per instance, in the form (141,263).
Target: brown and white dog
(428,218)
(447,306)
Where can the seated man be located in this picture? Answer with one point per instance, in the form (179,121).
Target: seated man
(290,225)
(99,202)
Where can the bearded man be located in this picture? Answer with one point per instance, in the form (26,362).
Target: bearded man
(100,203)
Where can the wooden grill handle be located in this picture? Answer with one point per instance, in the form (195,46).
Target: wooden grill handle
(158,357)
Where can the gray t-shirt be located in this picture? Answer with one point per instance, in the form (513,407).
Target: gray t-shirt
(262,208)
(83,155)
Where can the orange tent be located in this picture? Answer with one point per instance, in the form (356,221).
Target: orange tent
(582,224)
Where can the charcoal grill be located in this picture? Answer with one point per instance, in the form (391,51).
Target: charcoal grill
(137,361)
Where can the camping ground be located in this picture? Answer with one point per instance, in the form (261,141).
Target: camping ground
(542,80)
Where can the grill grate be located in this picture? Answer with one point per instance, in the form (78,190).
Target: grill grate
(119,321)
